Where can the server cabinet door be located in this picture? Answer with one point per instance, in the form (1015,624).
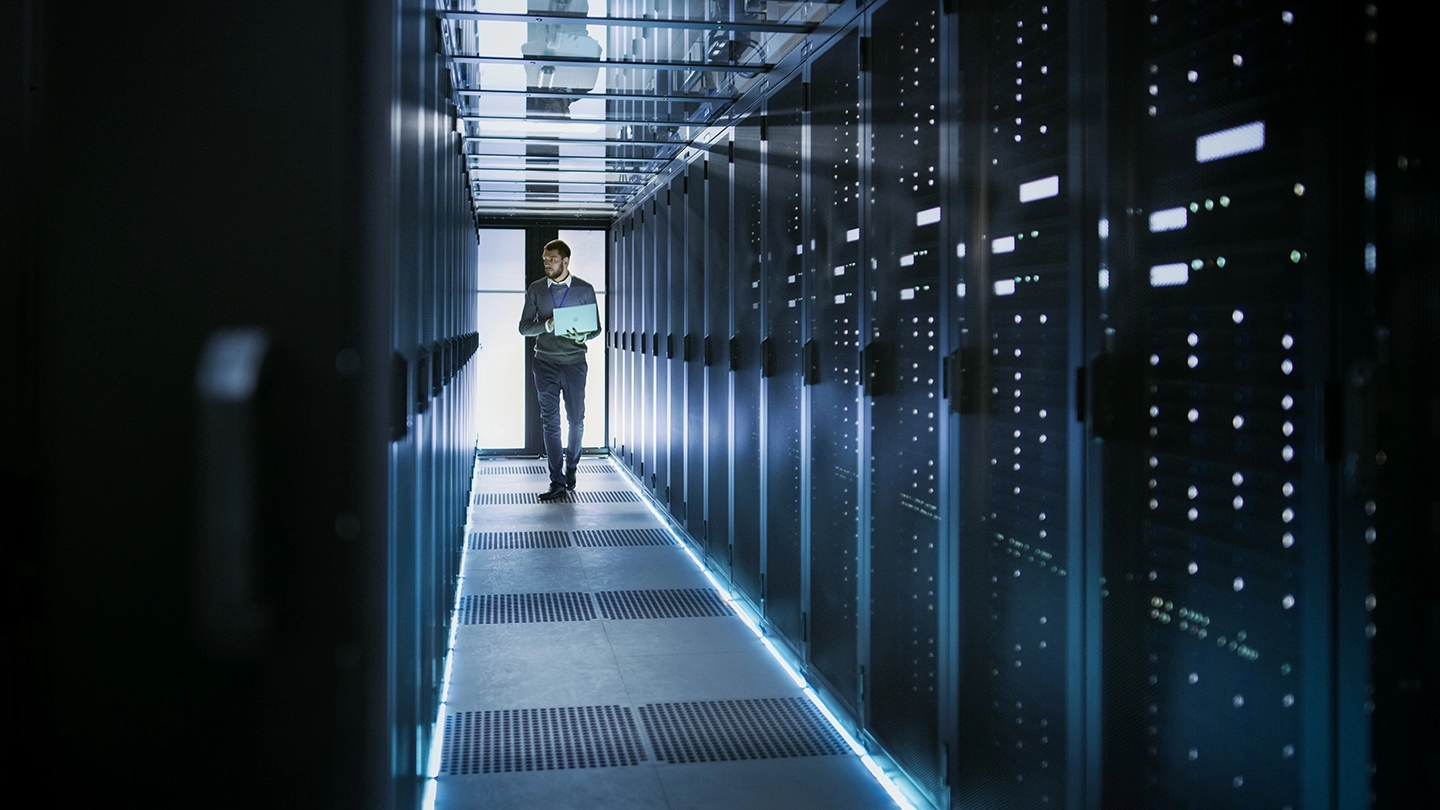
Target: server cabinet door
(615,318)
(745,356)
(659,295)
(1022,441)
(832,366)
(645,324)
(673,491)
(716,354)
(902,375)
(634,412)
(783,307)
(693,351)
(1222,312)
(655,306)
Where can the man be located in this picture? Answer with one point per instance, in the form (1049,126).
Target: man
(560,366)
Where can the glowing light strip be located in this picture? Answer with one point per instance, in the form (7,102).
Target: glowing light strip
(437,731)
(742,610)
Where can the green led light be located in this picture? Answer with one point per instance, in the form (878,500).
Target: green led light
(1224,202)
(1194,207)
(1209,205)
(1296,256)
(1196,264)
(1219,261)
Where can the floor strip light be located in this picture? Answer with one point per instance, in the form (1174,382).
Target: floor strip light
(437,731)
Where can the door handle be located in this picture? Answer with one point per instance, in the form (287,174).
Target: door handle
(232,622)
(812,362)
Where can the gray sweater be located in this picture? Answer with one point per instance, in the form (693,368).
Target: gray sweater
(540,306)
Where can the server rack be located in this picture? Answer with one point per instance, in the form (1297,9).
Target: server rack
(1046,298)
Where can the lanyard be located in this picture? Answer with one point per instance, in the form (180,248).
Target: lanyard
(554,305)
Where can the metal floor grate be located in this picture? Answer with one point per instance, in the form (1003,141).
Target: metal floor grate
(508,498)
(724,730)
(596,468)
(505,498)
(616,496)
(540,740)
(518,608)
(673,603)
(512,469)
(508,540)
(624,537)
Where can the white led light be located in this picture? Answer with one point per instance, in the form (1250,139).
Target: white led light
(1104,279)
(1288,602)
(1170,219)
(1004,244)
(960,250)
(1193,415)
(1230,142)
(907,260)
(929,216)
(1041,189)
(1238,421)
(1005,286)
(1287,402)
(1237,316)
(1169,275)
(1238,584)
(907,294)
(960,290)
(852,235)
(1193,339)
(1193,568)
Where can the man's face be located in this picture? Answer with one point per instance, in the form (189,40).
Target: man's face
(556,266)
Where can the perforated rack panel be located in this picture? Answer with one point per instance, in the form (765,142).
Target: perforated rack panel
(1224,302)
(1020,467)
(745,447)
(784,304)
(693,350)
(672,490)
(904,345)
(833,310)
(717,335)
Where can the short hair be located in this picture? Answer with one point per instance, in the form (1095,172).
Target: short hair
(559,247)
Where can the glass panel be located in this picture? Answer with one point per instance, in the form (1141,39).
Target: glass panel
(501,370)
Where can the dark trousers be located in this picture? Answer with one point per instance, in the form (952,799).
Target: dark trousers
(553,381)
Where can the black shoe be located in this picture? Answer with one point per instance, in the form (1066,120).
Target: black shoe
(555,492)
(570,480)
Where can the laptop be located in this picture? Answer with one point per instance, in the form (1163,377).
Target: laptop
(583,318)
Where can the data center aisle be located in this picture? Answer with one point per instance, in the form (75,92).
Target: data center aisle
(596,666)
